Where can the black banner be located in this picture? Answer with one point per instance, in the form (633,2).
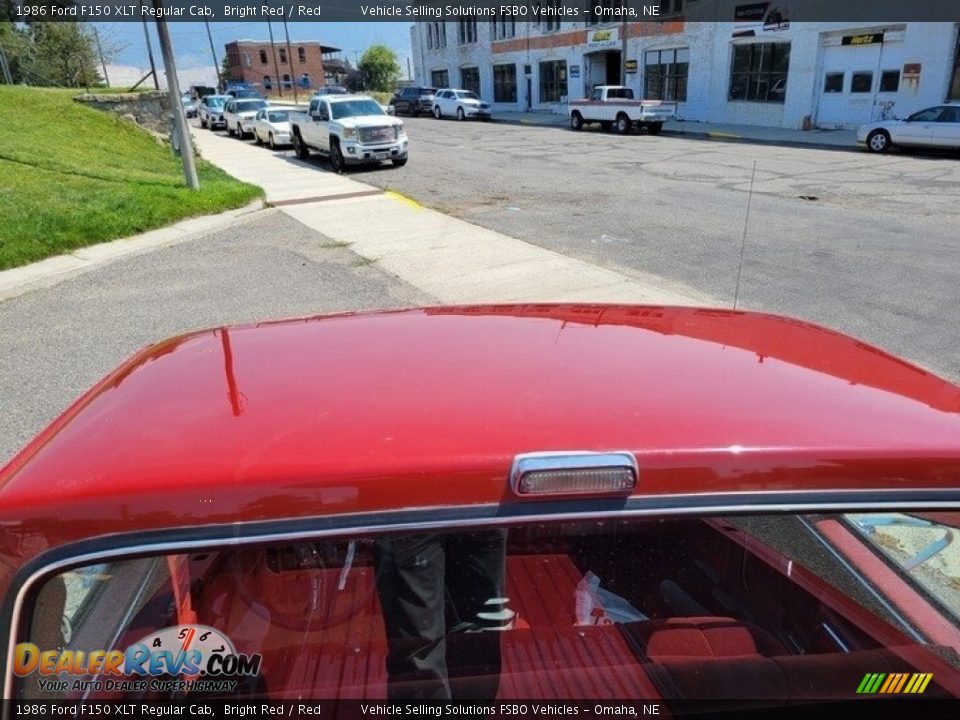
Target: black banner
(523,11)
(874,708)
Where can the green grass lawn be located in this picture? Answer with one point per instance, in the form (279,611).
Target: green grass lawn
(71,176)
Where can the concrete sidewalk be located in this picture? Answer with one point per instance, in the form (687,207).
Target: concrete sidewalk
(826,139)
(449,259)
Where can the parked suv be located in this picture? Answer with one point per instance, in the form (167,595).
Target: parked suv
(413,100)
(210,111)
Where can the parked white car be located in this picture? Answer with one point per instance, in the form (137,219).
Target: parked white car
(937,126)
(461,104)
(272,126)
(239,114)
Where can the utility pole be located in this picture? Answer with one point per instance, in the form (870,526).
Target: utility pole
(216,65)
(276,68)
(173,88)
(623,53)
(103,63)
(293,74)
(153,67)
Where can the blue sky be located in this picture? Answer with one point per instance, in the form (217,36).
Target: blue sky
(193,51)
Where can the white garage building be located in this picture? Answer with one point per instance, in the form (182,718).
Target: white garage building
(764,72)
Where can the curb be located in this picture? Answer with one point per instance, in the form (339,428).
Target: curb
(50,271)
(714,135)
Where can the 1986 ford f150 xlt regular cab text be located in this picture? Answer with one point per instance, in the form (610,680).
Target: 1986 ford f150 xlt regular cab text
(350,129)
(614,106)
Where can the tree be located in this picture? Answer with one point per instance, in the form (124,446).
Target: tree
(225,75)
(63,54)
(379,68)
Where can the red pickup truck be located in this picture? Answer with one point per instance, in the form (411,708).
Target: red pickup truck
(567,502)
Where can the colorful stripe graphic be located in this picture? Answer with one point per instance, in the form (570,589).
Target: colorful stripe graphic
(894,683)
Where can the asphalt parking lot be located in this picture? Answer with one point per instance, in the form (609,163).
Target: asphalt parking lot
(863,243)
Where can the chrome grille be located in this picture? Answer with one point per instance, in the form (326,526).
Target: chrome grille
(385,133)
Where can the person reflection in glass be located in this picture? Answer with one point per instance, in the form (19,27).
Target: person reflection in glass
(443,605)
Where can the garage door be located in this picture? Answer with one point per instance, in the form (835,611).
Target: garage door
(859,75)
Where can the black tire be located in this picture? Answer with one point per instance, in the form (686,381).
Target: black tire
(655,128)
(240,133)
(399,162)
(337,163)
(273,145)
(229,131)
(300,147)
(256,136)
(461,115)
(878,141)
(606,125)
(576,121)
(623,124)
(203,124)
(437,113)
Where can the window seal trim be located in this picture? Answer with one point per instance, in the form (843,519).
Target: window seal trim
(193,538)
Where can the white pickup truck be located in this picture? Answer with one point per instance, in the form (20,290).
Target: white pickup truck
(350,130)
(614,106)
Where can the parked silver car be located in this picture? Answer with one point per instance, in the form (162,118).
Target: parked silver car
(210,111)
(461,104)
(934,127)
(239,115)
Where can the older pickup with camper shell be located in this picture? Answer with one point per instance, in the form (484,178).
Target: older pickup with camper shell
(614,106)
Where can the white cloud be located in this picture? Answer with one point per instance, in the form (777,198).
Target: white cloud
(128,75)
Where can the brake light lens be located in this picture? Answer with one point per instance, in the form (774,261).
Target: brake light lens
(574,473)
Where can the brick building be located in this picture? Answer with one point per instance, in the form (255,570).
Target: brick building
(273,70)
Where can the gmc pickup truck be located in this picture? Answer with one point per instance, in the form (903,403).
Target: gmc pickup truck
(350,130)
(614,106)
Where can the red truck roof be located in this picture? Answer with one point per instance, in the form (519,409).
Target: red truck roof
(428,407)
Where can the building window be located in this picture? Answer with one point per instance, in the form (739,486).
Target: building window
(890,81)
(283,55)
(436,35)
(503,29)
(665,74)
(553,81)
(440,78)
(953,92)
(758,72)
(467,31)
(550,12)
(263,57)
(470,79)
(861,82)
(505,83)
(267,82)
(833,83)
(304,80)
(594,17)
(246,59)
(301,54)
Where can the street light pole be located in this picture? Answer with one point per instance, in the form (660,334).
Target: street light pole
(216,65)
(276,68)
(173,87)
(293,74)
